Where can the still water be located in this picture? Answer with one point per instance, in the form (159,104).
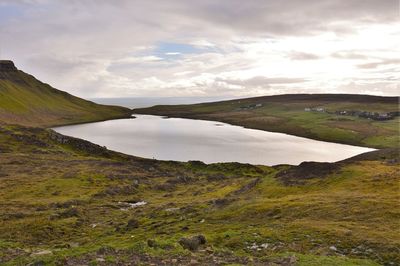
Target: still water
(186,139)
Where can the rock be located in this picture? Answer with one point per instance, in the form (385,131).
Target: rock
(132,224)
(79,144)
(247,187)
(151,243)
(193,262)
(189,244)
(221,202)
(7,66)
(201,239)
(105,250)
(74,244)
(192,243)
(333,248)
(289,261)
(292,259)
(71,212)
(172,209)
(296,175)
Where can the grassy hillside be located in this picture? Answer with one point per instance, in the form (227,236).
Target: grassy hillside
(25,100)
(287,114)
(65,201)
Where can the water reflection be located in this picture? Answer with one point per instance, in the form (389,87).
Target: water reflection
(185,139)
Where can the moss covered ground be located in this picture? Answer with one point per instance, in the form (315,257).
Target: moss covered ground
(66,201)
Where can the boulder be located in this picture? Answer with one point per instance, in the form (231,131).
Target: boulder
(192,243)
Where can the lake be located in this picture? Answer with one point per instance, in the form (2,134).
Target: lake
(186,139)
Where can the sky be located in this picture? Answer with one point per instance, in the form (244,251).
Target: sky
(236,48)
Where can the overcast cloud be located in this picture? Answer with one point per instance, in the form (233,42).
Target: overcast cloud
(122,48)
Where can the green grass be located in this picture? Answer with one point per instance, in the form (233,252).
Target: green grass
(27,101)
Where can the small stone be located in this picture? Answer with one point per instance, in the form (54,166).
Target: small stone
(333,248)
(132,224)
(209,250)
(74,244)
(193,261)
(105,250)
(292,259)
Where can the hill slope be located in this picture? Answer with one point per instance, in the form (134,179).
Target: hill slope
(27,101)
(329,117)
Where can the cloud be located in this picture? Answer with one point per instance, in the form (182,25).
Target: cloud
(303,56)
(261,81)
(349,55)
(188,48)
(383,62)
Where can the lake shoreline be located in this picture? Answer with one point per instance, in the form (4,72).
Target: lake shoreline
(170,140)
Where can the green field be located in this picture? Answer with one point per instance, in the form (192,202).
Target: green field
(286,114)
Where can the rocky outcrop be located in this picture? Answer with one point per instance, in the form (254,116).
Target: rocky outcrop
(79,144)
(296,175)
(246,187)
(7,66)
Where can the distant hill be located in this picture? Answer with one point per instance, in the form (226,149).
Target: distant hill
(363,120)
(27,101)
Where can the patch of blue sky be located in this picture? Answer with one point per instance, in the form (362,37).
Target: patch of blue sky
(10,11)
(171,50)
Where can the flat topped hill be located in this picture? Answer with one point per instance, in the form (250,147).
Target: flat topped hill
(27,101)
(320,98)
